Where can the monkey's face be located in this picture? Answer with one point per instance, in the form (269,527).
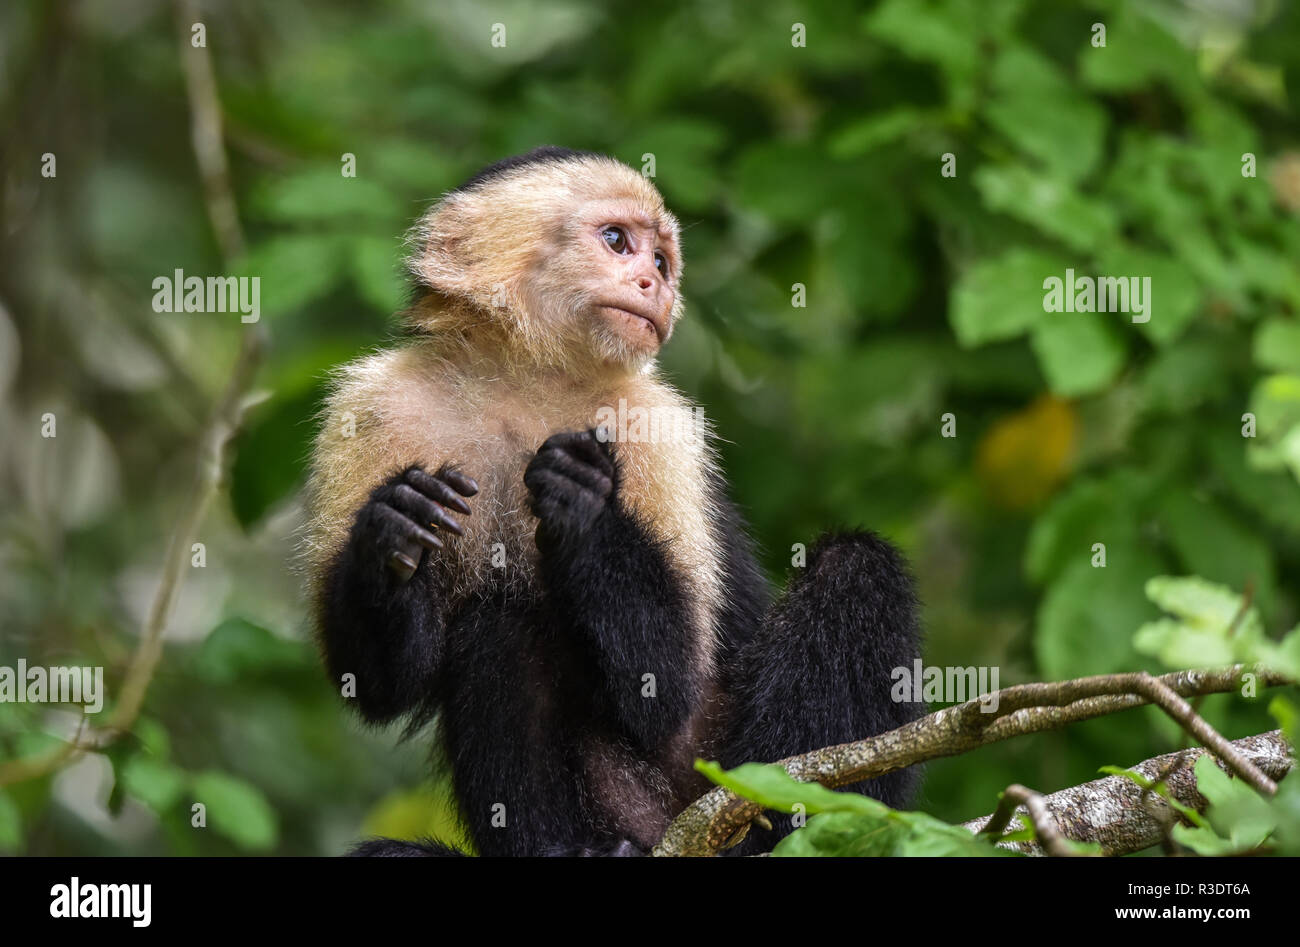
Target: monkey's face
(578,260)
(631,260)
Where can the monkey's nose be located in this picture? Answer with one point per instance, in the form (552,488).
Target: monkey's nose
(644,282)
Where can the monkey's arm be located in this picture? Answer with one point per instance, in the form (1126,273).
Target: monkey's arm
(610,583)
(380,608)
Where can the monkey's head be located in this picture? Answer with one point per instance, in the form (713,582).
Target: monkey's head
(566,258)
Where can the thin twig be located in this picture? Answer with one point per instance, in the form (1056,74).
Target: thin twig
(1045,827)
(205,133)
(1160,693)
(225,421)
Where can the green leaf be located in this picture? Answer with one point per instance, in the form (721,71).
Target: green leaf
(152,736)
(848,835)
(238,650)
(1184,375)
(873,264)
(1286,657)
(1264,269)
(1002,297)
(1236,811)
(1207,613)
(1275,402)
(376,266)
(1026,832)
(934,32)
(1270,495)
(318,196)
(1286,807)
(1048,204)
(1200,604)
(270,450)
(294,269)
(772,787)
(880,128)
(154,782)
(1177,645)
(1104,509)
(1175,295)
(686,159)
(1138,51)
(36,743)
(1081,353)
(844,823)
(236,810)
(1214,544)
(1087,618)
(11,824)
(1277,345)
(1043,115)
(1202,840)
(790,184)
(1284,711)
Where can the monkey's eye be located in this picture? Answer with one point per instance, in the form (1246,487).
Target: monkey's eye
(661,264)
(615,239)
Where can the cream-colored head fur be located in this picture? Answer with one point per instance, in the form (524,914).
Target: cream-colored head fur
(470,393)
(505,259)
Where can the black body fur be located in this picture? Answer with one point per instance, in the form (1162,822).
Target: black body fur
(541,697)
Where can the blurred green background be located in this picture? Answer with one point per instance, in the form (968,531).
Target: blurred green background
(817,165)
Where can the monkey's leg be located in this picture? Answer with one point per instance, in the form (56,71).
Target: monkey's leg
(611,585)
(381,612)
(396,848)
(818,671)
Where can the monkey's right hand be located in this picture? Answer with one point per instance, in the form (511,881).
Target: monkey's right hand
(402,516)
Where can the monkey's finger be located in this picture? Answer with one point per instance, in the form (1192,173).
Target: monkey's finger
(462,484)
(571,440)
(595,452)
(401,565)
(400,528)
(604,439)
(582,444)
(406,499)
(551,511)
(543,480)
(578,470)
(435,489)
(549,491)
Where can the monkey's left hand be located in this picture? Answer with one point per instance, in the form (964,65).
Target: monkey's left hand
(570,481)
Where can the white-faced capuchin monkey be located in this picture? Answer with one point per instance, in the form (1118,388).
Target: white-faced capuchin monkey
(577,600)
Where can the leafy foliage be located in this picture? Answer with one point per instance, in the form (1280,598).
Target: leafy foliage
(1166,447)
(845,823)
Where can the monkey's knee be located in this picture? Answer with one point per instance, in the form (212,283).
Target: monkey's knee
(857,564)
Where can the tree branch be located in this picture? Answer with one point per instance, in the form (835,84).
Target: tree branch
(1123,817)
(704,826)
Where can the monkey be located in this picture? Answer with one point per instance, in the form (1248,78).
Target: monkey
(577,605)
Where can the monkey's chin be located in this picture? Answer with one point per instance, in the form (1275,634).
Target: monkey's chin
(624,337)
(616,346)
(637,328)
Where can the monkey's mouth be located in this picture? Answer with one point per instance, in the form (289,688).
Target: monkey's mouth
(636,316)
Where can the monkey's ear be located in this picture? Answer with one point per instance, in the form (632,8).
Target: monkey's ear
(440,262)
(444,255)
(464,249)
